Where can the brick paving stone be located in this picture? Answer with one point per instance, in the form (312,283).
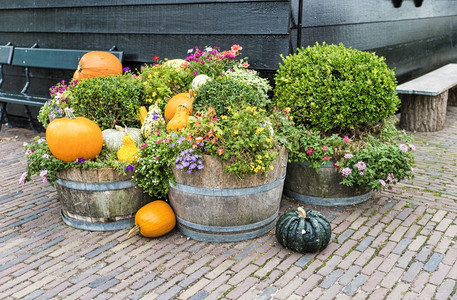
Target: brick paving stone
(373,281)
(451,254)
(194,277)
(241,288)
(348,261)
(331,279)
(269,280)
(393,276)
(433,262)
(405,259)
(424,253)
(412,271)
(311,269)
(349,275)
(309,284)
(220,269)
(289,261)
(389,262)
(364,244)
(417,243)
(243,274)
(346,247)
(195,289)
(330,265)
(398,292)
(354,285)
(379,294)
(429,292)
(439,275)
(289,289)
(303,261)
(287,276)
(445,289)
(219,281)
(401,246)
(439,215)
(365,257)
(267,293)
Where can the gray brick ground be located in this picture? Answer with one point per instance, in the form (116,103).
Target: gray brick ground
(398,245)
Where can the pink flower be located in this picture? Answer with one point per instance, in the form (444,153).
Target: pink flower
(46,156)
(346,172)
(236,48)
(220,151)
(382,182)
(309,151)
(403,148)
(43,173)
(346,139)
(360,165)
(412,147)
(326,157)
(390,177)
(348,156)
(22,179)
(45,179)
(324,148)
(144,145)
(245,65)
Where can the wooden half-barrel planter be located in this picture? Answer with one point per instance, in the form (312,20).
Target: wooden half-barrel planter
(98,199)
(215,206)
(323,188)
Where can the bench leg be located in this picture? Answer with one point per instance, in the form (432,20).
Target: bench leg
(29,115)
(423,113)
(3,115)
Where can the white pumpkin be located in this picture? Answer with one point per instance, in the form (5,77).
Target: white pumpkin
(153,119)
(175,63)
(198,81)
(113,138)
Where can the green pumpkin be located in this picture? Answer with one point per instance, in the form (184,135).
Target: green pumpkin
(303,231)
(113,138)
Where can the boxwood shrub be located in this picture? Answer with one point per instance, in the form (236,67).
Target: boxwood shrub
(334,89)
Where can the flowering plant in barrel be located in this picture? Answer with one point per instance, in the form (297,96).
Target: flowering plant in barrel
(220,136)
(343,103)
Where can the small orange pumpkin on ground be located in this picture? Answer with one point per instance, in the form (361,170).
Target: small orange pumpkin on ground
(154,219)
(70,138)
(185,99)
(97,63)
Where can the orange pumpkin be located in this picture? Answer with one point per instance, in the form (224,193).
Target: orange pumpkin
(184,99)
(98,63)
(154,219)
(71,138)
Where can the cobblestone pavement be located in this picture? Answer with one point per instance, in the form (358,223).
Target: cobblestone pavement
(398,245)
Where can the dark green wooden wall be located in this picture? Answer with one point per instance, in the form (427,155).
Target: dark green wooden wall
(413,39)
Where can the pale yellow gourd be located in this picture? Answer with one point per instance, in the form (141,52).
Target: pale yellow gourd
(179,120)
(128,151)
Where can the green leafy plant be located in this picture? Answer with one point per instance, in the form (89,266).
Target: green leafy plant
(162,80)
(109,101)
(60,95)
(234,88)
(336,89)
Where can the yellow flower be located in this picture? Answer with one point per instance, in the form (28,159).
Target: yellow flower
(229,108)
(272,168)
(158,100)
(259,130)
(235,114)
(154,94)
(149,100)
(235,132)
(145,82)
(223,117)
(149,76)
(259,156)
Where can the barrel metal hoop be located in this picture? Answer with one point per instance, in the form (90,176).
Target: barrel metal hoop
(95,186)
(328,201)
(217,192)
(231,229)
(225,238)
(97,226)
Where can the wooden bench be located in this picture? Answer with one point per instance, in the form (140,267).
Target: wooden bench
(35,57)
(425,99)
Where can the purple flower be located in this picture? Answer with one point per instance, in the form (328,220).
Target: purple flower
(189,171)
(129,168)
(200,166)
(179,166)
(348,156)
(126,69)
(80,160)
(403,148)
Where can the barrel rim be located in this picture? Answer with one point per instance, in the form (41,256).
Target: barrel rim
(328,201)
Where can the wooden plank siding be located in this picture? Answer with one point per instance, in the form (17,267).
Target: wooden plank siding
(413,39)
